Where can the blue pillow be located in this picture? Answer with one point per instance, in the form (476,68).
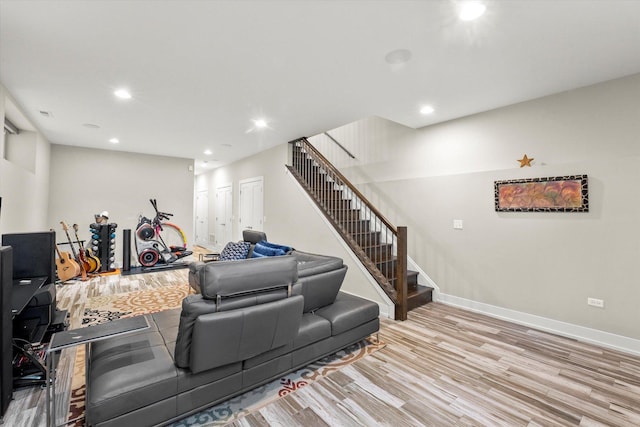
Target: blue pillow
(260,250)
(234,251)
(286,249)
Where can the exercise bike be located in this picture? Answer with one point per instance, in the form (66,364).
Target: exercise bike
(158,240)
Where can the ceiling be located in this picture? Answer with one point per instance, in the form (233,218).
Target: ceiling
(200,72)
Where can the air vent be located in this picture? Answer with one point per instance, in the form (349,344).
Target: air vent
(47,114)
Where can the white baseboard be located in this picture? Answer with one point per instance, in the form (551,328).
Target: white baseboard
(580,333)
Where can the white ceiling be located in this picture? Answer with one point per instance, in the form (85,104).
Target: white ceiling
(201,71)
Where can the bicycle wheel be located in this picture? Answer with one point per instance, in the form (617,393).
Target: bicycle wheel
(173,236)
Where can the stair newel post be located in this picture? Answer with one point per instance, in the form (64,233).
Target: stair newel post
(401,274)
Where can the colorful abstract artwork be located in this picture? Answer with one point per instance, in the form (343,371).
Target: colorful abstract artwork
(554,194)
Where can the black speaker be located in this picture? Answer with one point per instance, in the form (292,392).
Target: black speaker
(33,254)
(126,249)
(6,351)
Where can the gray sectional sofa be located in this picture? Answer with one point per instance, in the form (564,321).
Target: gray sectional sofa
(251,322)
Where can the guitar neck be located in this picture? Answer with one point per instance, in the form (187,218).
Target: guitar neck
(66,231)
(73,249)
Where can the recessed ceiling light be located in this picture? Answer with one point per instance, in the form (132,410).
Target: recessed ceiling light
(208,152)
(114,140)
(91,126)
(471,10)
(398,56)
(427,109)
(122,94)
(260,123)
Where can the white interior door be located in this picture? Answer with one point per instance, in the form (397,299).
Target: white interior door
(251,204)
(224,216)
(202,218)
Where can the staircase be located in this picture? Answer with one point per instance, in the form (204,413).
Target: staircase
(380,246)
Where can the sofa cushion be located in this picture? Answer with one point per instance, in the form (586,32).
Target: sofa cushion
(348,312)
(122,382)
(234,251)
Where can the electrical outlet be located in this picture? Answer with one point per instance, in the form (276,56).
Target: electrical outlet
(457,224)
(595,302)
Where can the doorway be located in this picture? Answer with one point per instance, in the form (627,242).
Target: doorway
(224,216)
(251,204)
(202,218)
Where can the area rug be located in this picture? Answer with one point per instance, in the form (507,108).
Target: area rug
(107,308)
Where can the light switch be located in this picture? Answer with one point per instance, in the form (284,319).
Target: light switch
(457,224)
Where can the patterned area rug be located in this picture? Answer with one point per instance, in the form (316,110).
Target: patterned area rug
(104,309)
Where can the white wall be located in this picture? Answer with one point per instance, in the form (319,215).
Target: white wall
(290,217)
(87,181)
(24,182)
(537,264)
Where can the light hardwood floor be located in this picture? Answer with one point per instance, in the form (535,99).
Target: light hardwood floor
(442,367)
(445,366)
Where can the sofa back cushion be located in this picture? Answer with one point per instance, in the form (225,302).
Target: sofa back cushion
(253,236)
(231,336)
(192,307)
(227,286)
(311,264)
(252,276)
(321,289)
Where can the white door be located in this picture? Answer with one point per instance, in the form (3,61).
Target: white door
(202,218)
(224,216)
(251,204)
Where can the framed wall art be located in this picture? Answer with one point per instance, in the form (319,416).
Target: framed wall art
(554,194)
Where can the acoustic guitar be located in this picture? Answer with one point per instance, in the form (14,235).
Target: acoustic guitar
(66,267)
(90,262)
(83,271)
